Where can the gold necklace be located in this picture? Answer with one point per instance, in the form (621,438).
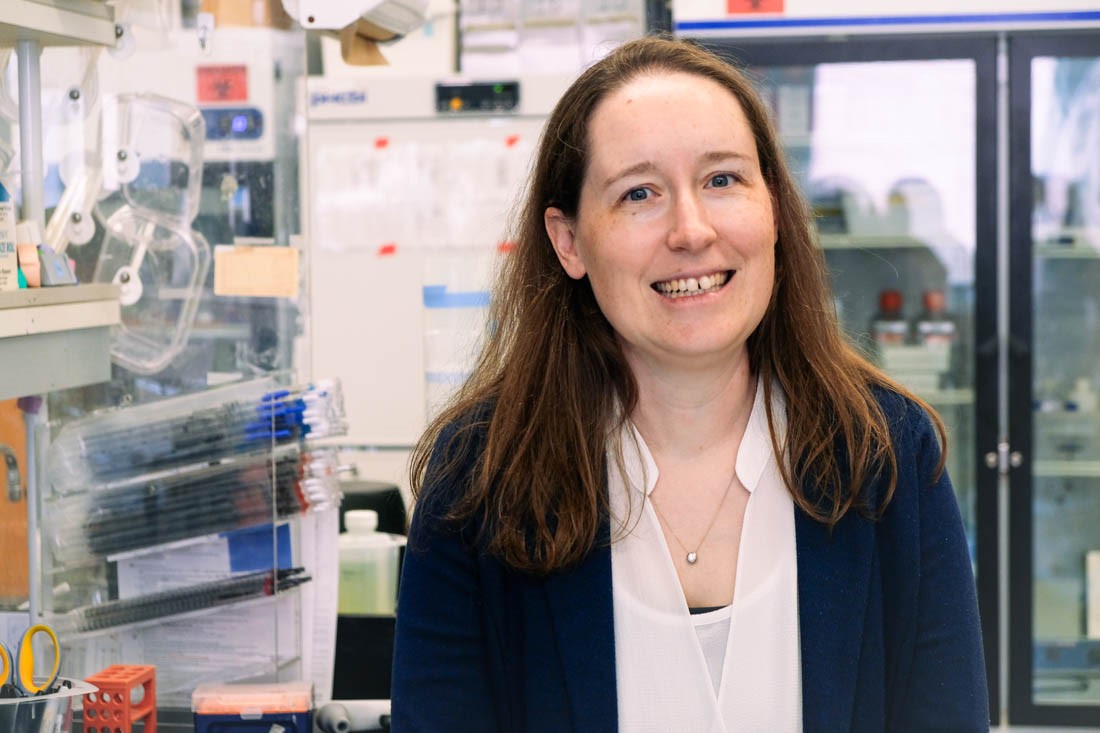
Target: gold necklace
(692,556)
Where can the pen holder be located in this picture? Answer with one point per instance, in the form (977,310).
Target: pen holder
(51,713)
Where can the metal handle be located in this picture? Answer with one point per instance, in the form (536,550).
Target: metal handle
(1003,459)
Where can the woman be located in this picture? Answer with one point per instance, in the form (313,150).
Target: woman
(671,497)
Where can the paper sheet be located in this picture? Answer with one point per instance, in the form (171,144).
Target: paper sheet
(265,272)
(319,532)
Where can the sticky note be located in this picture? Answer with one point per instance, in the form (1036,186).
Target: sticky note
(256,271)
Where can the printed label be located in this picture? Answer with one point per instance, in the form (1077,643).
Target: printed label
(222,83)
(9,260)
(737,7)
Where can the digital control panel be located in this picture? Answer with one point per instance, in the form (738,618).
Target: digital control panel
(233,123)
(477,97)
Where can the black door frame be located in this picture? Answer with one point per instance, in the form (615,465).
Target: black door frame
(1022,709)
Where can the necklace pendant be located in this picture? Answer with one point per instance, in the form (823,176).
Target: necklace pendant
(692,558)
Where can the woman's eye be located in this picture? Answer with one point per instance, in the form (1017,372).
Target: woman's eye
(637,194)
(721,180)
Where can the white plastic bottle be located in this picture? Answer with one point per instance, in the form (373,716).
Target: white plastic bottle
(368,566)
(1082,397)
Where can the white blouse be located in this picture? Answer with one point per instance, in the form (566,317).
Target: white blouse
(666,678)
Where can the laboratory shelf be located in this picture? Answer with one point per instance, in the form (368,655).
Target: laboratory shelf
(1066,252)
(1067,469)
(58,22)
(1077,654)
(1066,243)
(946,397)
(56,338)
(870,241)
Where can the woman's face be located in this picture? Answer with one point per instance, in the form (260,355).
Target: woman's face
(675,228)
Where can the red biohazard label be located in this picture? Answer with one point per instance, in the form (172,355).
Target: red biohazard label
(221,84)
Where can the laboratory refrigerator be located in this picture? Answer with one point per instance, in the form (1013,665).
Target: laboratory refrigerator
(959,213)
(1053,376)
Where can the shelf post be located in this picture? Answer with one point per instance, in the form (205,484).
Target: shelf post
(29,54)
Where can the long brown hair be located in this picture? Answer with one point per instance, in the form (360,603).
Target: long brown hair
(551,384)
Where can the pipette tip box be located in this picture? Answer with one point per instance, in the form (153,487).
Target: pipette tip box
(253,708)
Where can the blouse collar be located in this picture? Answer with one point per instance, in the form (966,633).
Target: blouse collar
(752,456)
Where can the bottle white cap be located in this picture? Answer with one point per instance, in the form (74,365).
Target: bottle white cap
(361,521)
(28,232)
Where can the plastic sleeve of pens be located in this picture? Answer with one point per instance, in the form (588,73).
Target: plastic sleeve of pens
(195,502)
(146,514)
(182,600)
(116,443)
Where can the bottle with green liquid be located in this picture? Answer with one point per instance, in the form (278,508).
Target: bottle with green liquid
(368,566)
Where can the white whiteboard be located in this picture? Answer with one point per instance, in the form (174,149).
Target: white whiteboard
(386,199)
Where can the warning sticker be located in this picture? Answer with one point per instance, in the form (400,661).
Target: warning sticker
(221,84)
(740,7)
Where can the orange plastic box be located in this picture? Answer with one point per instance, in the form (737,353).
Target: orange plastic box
(127,695)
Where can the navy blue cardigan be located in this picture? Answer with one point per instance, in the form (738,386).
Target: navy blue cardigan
(890,639)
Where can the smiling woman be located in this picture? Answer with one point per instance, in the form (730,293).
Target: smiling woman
(673,197)
(671,496)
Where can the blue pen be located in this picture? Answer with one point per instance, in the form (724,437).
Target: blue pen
(282,414)
(266,435)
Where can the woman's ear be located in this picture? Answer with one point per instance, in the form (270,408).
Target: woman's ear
(560,229)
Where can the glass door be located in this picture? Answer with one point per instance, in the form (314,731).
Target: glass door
(891,140)
(1055,382)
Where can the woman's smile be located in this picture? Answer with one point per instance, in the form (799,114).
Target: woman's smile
(692,286)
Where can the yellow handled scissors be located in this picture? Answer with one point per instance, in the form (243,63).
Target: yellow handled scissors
(19,670)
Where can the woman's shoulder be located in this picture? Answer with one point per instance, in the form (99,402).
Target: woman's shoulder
(914,447)
(907,419)
(915,444)
(463,431)
(455,453)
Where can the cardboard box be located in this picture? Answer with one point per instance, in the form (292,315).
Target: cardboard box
(359,44)
(248,13)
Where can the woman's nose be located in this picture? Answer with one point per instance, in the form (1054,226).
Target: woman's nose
(691,227)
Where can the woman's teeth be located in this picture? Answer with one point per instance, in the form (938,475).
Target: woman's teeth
(692,286)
